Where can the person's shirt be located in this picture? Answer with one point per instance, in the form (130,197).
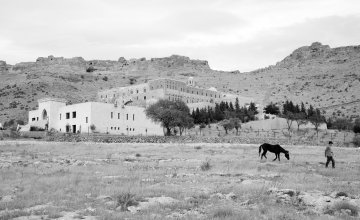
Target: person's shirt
(328,152)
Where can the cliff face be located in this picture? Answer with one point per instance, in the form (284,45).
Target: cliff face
(317,53)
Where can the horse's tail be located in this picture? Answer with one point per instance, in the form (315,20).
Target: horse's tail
(260,150)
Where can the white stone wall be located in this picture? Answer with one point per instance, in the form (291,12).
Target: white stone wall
(107,118)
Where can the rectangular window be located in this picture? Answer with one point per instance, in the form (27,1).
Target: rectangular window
(118,115)
(127,116)
(133,117)
(37,118)
(67,115)
(33,119)
(144,97)
(74,114)
(60,116)
(86,120)
(112,114)
(144,90)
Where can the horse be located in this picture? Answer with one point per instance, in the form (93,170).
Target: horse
(277,149)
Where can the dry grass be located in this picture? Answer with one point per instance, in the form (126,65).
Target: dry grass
(167,170)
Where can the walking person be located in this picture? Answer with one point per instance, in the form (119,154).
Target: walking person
(329,155)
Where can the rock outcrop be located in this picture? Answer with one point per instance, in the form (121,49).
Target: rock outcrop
(3,66)
(318,53)
(180,61)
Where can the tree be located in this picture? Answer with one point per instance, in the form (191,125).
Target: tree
(303,109)
(237,106)
(202,126)
(170,114)
(289,116)
(300,119)
(237,124)
(253,108)
(357,126)
(310,111)
(272,109)
(183,121)
(227,125)
(316,119)
(342,124)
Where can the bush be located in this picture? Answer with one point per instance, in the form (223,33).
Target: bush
(205,166)
(356,128)
(90,69)
(223,213)
(105,78)
(124,200)
(34,128)
(344,205)
(356,140)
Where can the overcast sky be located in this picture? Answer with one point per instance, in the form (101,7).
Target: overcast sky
(230,34)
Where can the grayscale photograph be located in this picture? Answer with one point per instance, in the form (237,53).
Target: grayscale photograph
(180,109)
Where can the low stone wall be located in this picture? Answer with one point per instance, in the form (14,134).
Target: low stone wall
(173,139)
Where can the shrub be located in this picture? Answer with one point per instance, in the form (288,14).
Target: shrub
(344,205)
(223,213)
(35,128)
(205,166)
(356,128)
(356,140)
(90,69)
(124,200)
(105,78)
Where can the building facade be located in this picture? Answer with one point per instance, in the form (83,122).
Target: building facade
(147,93)
(122,110)
(91,117)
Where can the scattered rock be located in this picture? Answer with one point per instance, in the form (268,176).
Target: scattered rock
(315,201)
(7,198)
(149,202)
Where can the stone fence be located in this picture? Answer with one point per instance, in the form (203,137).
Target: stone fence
(174,139)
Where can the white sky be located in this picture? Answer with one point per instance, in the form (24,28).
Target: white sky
(230,34)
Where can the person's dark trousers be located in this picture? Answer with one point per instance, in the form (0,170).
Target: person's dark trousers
(328,161)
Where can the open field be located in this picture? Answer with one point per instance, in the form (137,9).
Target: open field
(49,180)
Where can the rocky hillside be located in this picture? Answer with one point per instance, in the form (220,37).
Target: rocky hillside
(78,80)
(325,77)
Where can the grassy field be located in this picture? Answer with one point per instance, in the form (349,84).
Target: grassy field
(47,180)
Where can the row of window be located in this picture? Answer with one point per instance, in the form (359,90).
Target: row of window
(124,94)
(118,128)
(191,100)
(118,116)
(35,119)
(187,90)
(67,115)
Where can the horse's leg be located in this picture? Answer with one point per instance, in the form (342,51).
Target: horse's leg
(279,156)
(264,154)
(275,157)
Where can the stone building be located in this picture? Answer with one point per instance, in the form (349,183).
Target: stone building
(122,110)
(147,93)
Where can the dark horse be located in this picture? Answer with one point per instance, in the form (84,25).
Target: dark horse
(276,149)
